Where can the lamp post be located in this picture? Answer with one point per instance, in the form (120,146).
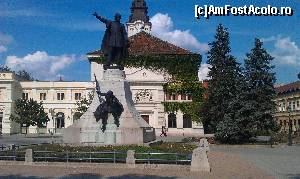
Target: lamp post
(290,140)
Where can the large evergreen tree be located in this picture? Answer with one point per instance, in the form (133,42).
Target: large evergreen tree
(261,91)
(224,76)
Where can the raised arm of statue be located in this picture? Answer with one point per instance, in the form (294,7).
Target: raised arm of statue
(102,19)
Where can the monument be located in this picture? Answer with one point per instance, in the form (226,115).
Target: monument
(113,119)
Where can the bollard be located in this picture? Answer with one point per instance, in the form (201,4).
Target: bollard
(204,143)
(29,156)
(199,160)
(130,159)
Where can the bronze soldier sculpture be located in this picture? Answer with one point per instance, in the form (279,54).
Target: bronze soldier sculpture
(115,41)
(110,105)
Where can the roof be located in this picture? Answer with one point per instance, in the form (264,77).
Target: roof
(295,86)
(146,44)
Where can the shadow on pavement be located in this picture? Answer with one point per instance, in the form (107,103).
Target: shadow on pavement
(293,176)
(128,176)
(20,176)
(88,176)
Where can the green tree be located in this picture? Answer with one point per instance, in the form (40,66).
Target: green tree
(5,68)
(24,75)
(237,126)
(29,113)
(83,105)
(261,91)
(223,75)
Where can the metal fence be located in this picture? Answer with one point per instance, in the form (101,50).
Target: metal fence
(90,157)
(12,155)
(98,157)
(163,158)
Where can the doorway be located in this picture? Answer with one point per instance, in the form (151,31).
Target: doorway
(60,120)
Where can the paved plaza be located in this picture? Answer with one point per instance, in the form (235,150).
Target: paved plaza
(282,161)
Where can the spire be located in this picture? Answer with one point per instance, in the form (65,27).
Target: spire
(139,11)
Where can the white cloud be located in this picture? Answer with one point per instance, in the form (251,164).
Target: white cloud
(203,71)
(4,41)
(162,27)
(286,51)
(2,48)
(40,64)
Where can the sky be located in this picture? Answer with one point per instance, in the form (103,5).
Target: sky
(50,38)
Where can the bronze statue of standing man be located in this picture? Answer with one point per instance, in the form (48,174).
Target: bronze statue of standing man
(115,41)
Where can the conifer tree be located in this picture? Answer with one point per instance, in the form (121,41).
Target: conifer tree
(224,75)
(261,91)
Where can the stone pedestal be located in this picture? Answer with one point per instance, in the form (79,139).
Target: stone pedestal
(29,156)
(111,131)
(130,159)
(132,130)
(199,160)
(204,143)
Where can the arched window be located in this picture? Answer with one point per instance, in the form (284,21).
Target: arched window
(187,121)
(60,120)
(172,121)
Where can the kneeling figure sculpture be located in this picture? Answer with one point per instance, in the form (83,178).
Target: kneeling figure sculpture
(111,105)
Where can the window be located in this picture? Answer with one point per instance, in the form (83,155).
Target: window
(173,97)
(187,121)
(284,123)
(25,96)
(168,97)
(60,96)
(183,97)
(172,121)
(294,105)
(189,97)
(42,96)
(77,96)
(146,118)
(298,103)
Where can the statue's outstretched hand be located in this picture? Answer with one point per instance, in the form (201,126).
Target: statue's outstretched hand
(95,14)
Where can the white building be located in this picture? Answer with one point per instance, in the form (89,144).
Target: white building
(59,97)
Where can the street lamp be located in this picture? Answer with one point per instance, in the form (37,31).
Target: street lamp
(290,140)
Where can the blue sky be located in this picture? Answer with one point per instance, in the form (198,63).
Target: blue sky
(50,38)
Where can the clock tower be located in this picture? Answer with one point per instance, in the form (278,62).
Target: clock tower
(139,19)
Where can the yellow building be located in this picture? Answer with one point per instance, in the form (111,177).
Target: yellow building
(288,106)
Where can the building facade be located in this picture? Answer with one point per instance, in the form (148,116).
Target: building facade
(288,106)
(59,97)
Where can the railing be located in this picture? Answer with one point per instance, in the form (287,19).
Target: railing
(163,158)
(98,157)
(12,155)
(90,157)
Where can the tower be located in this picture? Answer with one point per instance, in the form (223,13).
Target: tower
(139,19)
